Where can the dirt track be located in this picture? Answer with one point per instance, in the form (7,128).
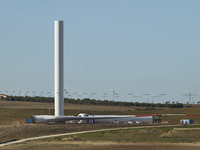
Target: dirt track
(30,144)
(16,132)
(71,132)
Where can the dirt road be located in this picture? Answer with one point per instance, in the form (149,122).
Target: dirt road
(73,133)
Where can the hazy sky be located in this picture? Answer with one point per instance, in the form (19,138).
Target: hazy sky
(149,47)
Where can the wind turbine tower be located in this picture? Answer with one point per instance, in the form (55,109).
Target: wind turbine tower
(190,94)
(59,68)
(114,91)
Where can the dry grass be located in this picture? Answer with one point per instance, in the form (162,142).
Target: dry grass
(11,111)
(15,132)
(40,105)
(102,145)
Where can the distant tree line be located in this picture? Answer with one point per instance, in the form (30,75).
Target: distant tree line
(88,101)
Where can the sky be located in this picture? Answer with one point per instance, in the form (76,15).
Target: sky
(149,48)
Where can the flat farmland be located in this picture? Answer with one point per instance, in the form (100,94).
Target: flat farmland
(12,127)
(15,111)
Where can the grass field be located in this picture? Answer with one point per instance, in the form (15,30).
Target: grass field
(140,138)
(35,145)
(11,111)
(13,115)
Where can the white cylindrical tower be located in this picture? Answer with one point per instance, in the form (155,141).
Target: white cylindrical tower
(59,73)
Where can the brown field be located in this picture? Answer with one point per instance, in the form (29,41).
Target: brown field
(35,145)
(40,105)
(13,115)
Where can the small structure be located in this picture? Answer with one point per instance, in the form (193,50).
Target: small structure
(28,120)
(157,119)
(3,96)
(186,121)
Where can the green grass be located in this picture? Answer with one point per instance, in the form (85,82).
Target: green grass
(135,135)
(128,135)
